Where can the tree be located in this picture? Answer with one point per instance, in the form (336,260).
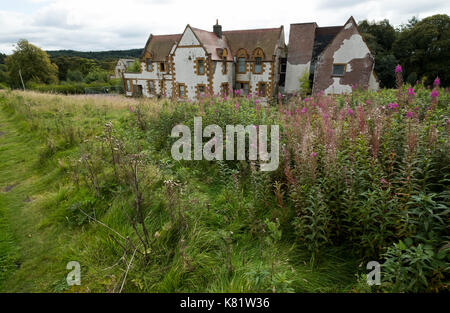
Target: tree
(74,76)
(424,48)
(2,58)
(33,63)
(380,37)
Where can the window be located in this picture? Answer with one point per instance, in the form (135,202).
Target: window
(243,88)
(151,86)
(200,66)
(162,67)
(262,89)
(224,65)
(149,65)
(128,85)
(181,90)
(224,89)
(241,65)
(339,69)
(201,90)
(258,63)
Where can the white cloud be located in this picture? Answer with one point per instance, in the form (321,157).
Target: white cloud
(93,25)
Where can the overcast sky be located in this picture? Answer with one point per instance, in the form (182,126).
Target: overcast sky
(96,25)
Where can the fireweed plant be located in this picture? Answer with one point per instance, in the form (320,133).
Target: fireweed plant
(366,173)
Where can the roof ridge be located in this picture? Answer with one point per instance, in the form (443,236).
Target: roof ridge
(253,29)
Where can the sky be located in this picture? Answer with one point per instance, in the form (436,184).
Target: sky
(98,25)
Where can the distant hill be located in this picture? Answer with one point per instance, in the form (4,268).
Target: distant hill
(99,55)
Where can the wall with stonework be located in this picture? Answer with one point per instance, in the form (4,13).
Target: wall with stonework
(347,47)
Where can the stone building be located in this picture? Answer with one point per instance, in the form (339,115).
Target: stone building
(255,61)
(198,61)
(122,66)
(336,58)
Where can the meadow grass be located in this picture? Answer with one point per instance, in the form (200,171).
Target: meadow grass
(213,226)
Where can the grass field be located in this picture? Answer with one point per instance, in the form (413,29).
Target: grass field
(91,179)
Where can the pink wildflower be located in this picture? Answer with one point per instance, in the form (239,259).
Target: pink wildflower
(349,111)
(237,105)
(437,82)
(313,154)
(398,68)
(409,114)
(434,93)
(383,181)
(304,110)
(411,92)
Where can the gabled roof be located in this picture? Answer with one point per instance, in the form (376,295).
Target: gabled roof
(267,39)
(159,46)
(301,43)
(323,36)
(212,43)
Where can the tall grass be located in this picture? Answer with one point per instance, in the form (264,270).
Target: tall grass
(362,177)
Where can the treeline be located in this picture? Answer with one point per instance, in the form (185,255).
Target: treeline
(421,47)
(32,67)
(100,55)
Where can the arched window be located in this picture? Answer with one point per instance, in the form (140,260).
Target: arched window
(258,56)
(242,61)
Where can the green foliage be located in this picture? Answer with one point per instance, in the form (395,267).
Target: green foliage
(305,84)
(67,88)
(74,76)
(356,177)
(421,47)
(96,76)
(33,63)
(424,48)
(420,268)
(134,68)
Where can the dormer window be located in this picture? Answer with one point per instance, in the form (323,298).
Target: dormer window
(242,61)
(258,56)
(258,63)
(149,65)
(241,65)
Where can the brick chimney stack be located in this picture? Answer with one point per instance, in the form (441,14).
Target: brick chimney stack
(217,29)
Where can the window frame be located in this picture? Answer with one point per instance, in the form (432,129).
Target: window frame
(265,89)
(248,87)
(197,66)
(225,89)
(339,64)
(151,82)
(179,90)
(241,54)
(148,62)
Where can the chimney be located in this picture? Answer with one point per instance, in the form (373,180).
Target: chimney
(217,29)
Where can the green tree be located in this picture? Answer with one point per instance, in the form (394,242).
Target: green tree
(33,63)
(2,58)
(423,48)
(74,76)
(96,76)
(380,37)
